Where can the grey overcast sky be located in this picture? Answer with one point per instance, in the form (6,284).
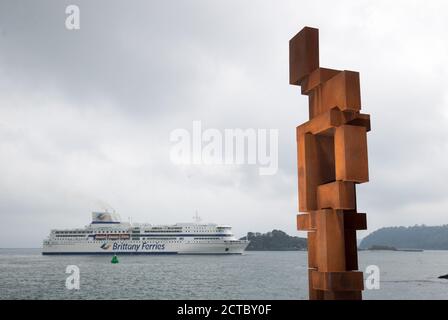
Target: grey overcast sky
(85,116)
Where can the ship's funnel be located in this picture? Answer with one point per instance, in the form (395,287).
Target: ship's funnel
(105,217)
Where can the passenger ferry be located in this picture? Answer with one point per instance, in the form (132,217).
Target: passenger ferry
(107,234)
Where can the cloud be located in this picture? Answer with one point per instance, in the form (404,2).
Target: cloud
(85,116)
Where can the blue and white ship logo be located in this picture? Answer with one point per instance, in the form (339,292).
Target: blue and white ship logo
(105,246)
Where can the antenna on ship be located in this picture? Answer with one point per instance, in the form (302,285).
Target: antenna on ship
(196,217)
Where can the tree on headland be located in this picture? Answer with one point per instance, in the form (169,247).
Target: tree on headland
(276,240)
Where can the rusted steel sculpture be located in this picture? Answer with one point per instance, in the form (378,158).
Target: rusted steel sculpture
(332,159)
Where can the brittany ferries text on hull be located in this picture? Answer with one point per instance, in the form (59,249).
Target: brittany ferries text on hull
(106,234)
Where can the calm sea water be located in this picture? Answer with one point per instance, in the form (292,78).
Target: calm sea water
(26,274)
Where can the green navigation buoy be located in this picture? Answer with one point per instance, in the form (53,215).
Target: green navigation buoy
(114,259)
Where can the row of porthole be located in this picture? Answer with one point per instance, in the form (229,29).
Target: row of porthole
(71,243)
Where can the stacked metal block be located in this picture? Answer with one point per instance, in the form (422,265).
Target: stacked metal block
(332,159)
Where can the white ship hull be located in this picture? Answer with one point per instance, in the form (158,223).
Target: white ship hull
(145,247)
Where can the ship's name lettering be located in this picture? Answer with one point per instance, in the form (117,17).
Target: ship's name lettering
(138,247)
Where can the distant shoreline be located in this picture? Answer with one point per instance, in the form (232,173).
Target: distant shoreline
(389,248)
(419,237)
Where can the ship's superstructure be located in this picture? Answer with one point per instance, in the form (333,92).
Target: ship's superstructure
(107,234)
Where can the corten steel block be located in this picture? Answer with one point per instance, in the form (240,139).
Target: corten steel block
(316,165)
(337,281)
(351,154)
(360,119)
(342,295)
(306,221)
(340,91)
(306,156)
(312,249)
(313,293)
(336,195)
(352,220)
(317,77)
(351,250)
(325,123)
(303,54)
(330,240)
